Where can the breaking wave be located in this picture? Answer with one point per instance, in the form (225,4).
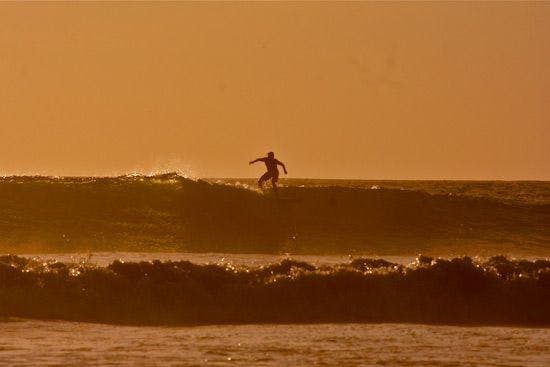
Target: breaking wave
(456,291)
(172,213)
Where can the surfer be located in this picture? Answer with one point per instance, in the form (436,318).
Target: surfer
(272,171)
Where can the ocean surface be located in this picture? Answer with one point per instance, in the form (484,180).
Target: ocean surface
(53,343)
(170,213)
(166,270)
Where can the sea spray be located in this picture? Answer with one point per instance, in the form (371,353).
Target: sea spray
(455,291)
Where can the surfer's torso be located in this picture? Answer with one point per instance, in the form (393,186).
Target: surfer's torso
(271,164)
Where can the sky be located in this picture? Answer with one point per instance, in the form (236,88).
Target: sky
(337,90)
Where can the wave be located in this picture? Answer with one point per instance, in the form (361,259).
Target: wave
(172,213)
(456,291)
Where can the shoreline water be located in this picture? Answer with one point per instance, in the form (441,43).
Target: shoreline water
(35,342)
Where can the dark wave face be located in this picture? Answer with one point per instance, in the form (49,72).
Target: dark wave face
(171,213)
(457,291)
(513,192)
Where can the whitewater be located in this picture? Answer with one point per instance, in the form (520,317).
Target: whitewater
(167,270)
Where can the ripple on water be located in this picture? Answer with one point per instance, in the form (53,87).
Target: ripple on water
(37,342)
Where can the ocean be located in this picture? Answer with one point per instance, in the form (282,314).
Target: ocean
(167,270)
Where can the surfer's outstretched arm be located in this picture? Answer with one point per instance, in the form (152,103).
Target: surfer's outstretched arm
(256,160)
(283,165)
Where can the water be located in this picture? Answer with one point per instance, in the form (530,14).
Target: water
(106,258)
(173,271)
(493,291)
(30,343)
(525,192)
(169,213)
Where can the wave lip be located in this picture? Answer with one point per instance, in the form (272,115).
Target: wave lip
(456,291)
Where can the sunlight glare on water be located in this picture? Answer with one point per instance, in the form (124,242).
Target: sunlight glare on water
(29,343)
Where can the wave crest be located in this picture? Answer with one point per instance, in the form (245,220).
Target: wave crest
(171,212)
(459,290)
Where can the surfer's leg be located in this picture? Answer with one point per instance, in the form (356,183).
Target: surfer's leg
(266,176)
(274,179)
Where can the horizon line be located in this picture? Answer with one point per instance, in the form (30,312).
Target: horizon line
(4,176)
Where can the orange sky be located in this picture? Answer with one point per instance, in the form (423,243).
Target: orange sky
(379,90)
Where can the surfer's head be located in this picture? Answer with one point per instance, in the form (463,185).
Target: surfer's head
(271,155)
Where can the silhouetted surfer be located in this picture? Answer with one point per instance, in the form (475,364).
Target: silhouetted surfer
(272,171)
